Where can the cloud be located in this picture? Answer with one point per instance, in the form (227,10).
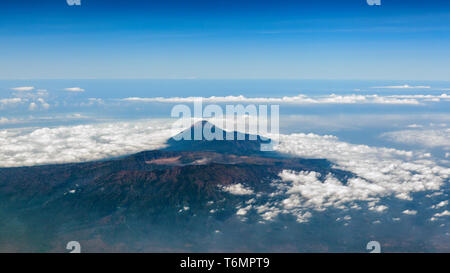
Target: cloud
(380,208)
(238,189)
(405,86)
(43,103)
(300,99)
(410,212)
(381,172)
(427,138)
(23,88)
(306,190)
(28,147)
(74,89)
(4,120)
(440,205)
(414,126)
(33,106)
(442,214)
(423,97)
(10,101)
(243,211)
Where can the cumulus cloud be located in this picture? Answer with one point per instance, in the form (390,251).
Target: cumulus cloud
(304,192)
(74,89)
(33,106)
(440,205)
(410,212)
(243,211)
(43,103)
(380,172)
(27,147)
(299,99)
(31,100)
(380,208)
(442,214)
(23,88)
(238,189)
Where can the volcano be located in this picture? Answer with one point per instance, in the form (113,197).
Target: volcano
(179,198)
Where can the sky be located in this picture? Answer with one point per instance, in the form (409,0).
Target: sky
(320,39)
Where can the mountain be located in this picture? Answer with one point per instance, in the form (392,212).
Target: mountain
(186,197)
(224,142)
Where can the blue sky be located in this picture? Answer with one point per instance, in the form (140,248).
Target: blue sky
(399,40)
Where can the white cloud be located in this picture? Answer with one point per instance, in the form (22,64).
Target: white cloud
(74,89)
(442,214)
(238,189)
(43,103)
(33,106)
(27,147)
(406,86)
(305,190)
(300,99)
(415,126)
(440,205)
(4,120)
(243,211)
(23,88)
(380,208)
(410,212)
(10,101)
(427,138)
(422,96)
(381,172)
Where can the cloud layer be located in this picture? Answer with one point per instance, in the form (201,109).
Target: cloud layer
(428,138)
(27,147)
(300,99)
